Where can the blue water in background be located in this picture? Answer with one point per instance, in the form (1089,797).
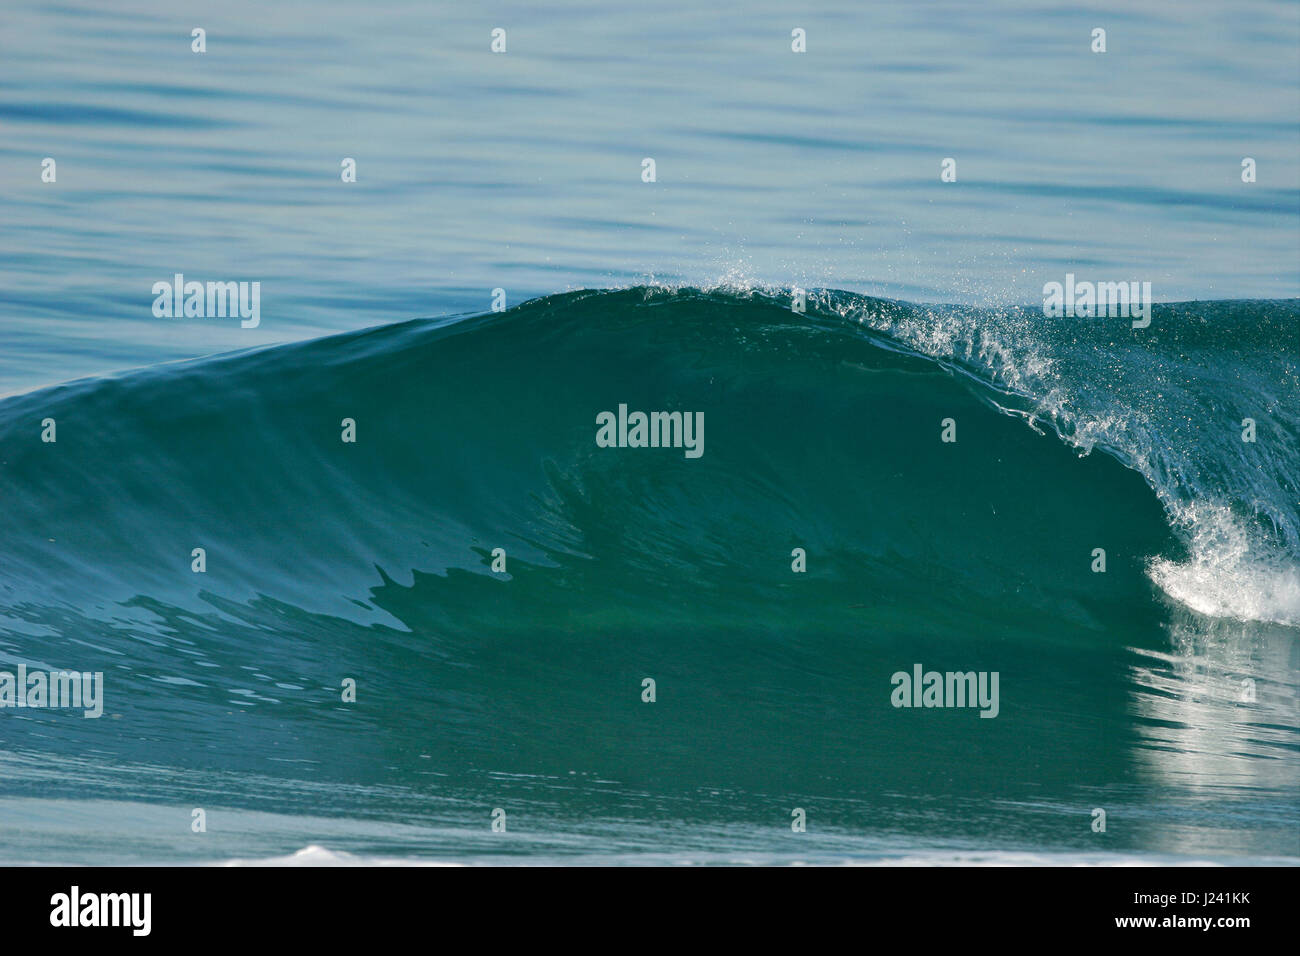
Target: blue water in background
(522,171)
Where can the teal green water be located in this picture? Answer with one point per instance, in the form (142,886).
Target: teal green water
(522,690)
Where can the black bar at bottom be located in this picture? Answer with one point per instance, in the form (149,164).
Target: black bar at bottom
(303,905)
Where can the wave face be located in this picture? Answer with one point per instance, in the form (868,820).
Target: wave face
(522,689)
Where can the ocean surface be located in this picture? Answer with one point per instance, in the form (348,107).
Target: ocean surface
(1164,691)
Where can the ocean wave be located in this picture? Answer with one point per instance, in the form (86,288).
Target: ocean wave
(229,448)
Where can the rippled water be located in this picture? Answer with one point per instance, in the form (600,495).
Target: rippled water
(522,171)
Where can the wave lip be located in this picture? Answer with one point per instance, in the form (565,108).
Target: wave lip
(1172,403)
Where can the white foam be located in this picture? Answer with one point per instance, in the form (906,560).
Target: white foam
(1227,576)
(319,856)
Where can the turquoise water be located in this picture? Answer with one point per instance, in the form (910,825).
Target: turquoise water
(1163,691)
